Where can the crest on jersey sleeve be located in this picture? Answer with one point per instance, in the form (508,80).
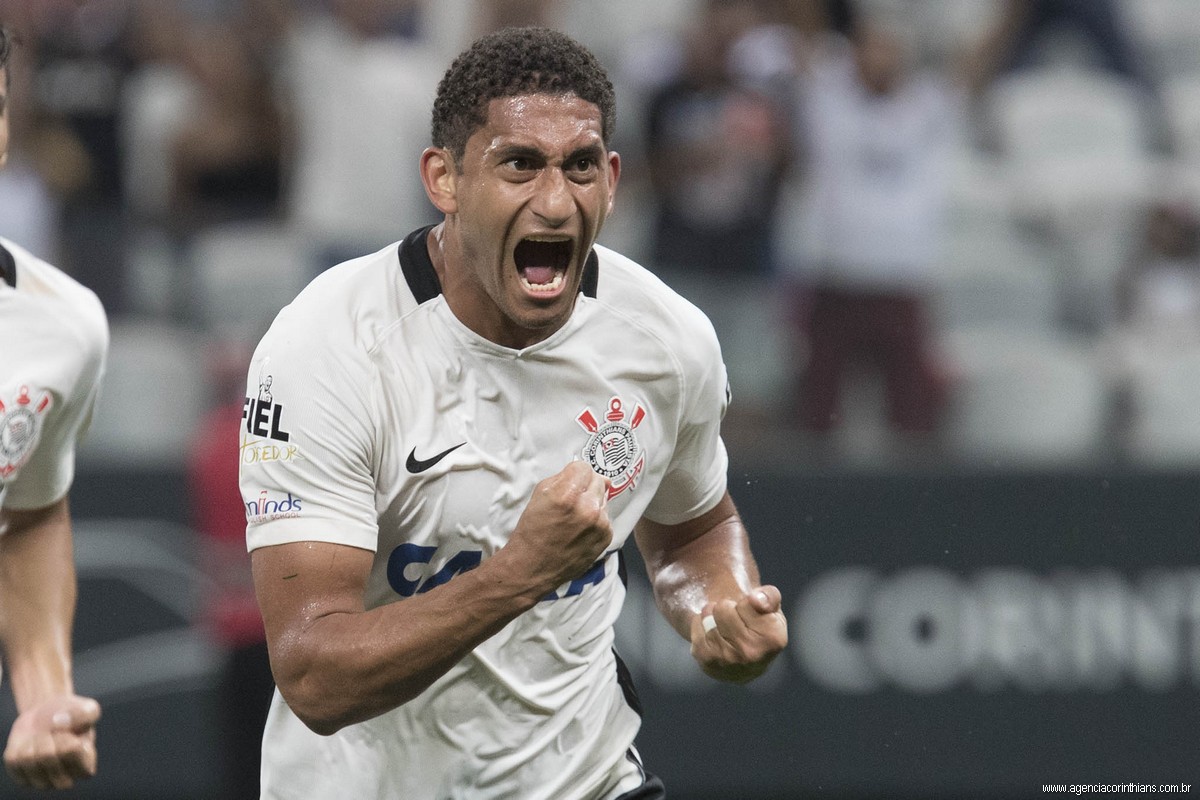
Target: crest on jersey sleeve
(613,449)
(20,426)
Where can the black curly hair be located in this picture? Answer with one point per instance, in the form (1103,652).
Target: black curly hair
(511,62)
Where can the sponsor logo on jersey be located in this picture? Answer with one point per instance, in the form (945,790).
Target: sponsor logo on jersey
(263,451)
(268,507)
(613,449)
(263,416)
(20,426)
(414,569)
(418,465)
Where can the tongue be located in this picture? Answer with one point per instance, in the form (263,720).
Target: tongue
(538,275)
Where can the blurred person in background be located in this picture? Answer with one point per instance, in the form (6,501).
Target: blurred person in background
(717,148)
(81,55)
(228,157)
(53,345)
(876,142)
(1017,39)
(1021,39)
(351,73)
(1158,304)
(232,617)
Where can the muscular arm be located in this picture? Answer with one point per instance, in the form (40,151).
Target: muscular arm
(704,567)
(337,663)
(37,610)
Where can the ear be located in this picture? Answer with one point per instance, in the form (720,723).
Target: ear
(614,175)
(439,176)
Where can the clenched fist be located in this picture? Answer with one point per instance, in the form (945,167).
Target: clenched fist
(737,640)
(53,744)
(565,527)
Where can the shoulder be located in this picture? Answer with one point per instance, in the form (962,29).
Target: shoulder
(72,311)
(656,310)
(347,308)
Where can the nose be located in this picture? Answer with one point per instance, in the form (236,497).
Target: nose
(553,201)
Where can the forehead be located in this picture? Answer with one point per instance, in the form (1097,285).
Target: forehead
(546,121)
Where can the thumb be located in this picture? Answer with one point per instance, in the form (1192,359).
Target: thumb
(765,599)
(78,715)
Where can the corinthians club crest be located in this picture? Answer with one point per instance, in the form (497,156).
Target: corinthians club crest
(20,424)
(613,449)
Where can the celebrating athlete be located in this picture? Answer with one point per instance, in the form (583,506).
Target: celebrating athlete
(476,419)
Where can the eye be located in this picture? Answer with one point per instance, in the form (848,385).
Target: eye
(583,166)
(519,163)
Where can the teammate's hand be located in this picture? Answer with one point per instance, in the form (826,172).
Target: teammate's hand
(53,744)
(737,640)
(565,528)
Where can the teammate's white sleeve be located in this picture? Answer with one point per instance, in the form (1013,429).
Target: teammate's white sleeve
(46,477)
(307,440)
(697,476)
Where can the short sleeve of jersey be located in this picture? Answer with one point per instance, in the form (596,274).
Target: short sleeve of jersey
(697,476)
(46,477)
(307,439)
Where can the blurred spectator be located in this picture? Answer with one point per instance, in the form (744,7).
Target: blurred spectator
(1019,38)
(717,149)
(353,74)
(878,138)
(1159,305)
(232,616)
(81,55)
(1160,292)
(228,156)
(1026,30)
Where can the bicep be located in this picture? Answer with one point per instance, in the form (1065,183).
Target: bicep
(298,583)
(660,543)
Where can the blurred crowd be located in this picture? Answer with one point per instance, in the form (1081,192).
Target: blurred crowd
(958,228)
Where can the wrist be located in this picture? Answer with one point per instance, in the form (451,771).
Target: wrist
(504,573)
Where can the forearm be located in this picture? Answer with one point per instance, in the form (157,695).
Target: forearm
(37,602)
(707,586)
(345,665)
(717,565)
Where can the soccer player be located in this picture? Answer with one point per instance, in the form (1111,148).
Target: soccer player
(53,342)
(455,437)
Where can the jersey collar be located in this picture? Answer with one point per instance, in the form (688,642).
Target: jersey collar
(8,267)
(423,280)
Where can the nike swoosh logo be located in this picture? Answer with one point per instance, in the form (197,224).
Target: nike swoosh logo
(415,465)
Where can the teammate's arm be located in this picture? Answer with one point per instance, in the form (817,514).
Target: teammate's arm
(702,569)
(337,663)
(53,741)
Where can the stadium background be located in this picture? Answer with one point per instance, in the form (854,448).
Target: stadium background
(1011,602)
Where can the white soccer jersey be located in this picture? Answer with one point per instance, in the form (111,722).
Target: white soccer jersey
(376,419)
(53,344)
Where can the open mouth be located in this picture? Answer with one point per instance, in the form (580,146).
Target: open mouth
(542,263)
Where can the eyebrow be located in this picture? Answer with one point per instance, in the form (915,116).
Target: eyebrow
(589,151)
(519,151)
(525,151)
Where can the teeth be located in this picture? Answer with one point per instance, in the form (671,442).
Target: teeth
(554,283)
